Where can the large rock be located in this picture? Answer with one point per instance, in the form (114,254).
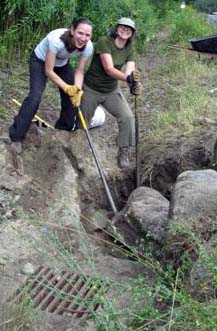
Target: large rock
(192,215)
(194,195)
(144,216)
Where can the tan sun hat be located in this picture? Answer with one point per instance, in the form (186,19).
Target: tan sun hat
(127,21)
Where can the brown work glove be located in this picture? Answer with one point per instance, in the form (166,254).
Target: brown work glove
(133,77)
(136,88)
(133,81)
(76,99)
(71,90)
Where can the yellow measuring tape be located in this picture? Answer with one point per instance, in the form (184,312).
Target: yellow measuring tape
(36,117)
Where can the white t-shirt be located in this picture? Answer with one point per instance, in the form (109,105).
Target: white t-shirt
(53,43)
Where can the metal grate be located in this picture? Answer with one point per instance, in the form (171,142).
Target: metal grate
(66,293)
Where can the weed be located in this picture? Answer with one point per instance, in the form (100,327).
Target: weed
(19,316)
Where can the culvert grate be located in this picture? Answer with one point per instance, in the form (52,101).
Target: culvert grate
(66,293)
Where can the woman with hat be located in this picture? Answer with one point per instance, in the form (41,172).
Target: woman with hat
(112,52)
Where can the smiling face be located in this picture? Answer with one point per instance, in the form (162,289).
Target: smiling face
(82,34)
(124,32)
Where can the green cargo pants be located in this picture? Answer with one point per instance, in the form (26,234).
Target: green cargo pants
(117,106)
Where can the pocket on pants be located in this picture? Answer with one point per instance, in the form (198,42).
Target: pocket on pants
(120,95)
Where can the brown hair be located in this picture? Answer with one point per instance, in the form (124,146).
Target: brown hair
(68,38)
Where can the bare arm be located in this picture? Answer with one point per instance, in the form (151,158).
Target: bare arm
(79,72)
(49,66)
(109,68)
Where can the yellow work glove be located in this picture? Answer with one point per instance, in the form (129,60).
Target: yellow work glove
(76,99)
(71,90)
(136,88)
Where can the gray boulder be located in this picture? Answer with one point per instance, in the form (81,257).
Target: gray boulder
(145,215)
(194,195)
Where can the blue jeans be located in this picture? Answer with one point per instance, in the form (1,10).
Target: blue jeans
(30,105)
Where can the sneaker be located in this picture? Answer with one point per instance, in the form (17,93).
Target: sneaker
(123,157)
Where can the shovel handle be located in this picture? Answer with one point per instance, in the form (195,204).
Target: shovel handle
(137,140)
(99,167)
(81,117)
(37,117)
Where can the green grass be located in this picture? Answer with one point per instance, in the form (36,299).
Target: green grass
(179,91)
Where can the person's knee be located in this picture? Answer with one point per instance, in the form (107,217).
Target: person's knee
(36,98)
(127,118)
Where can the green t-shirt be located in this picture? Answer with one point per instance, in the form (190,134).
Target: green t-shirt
(96,78)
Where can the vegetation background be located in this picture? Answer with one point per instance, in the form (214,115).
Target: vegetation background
(24,22)
(169,303)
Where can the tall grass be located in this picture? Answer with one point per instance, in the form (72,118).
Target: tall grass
(25,22)
(179,92)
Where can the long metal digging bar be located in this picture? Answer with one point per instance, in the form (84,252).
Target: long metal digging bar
(108,193)
(36,117)
(137,140)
